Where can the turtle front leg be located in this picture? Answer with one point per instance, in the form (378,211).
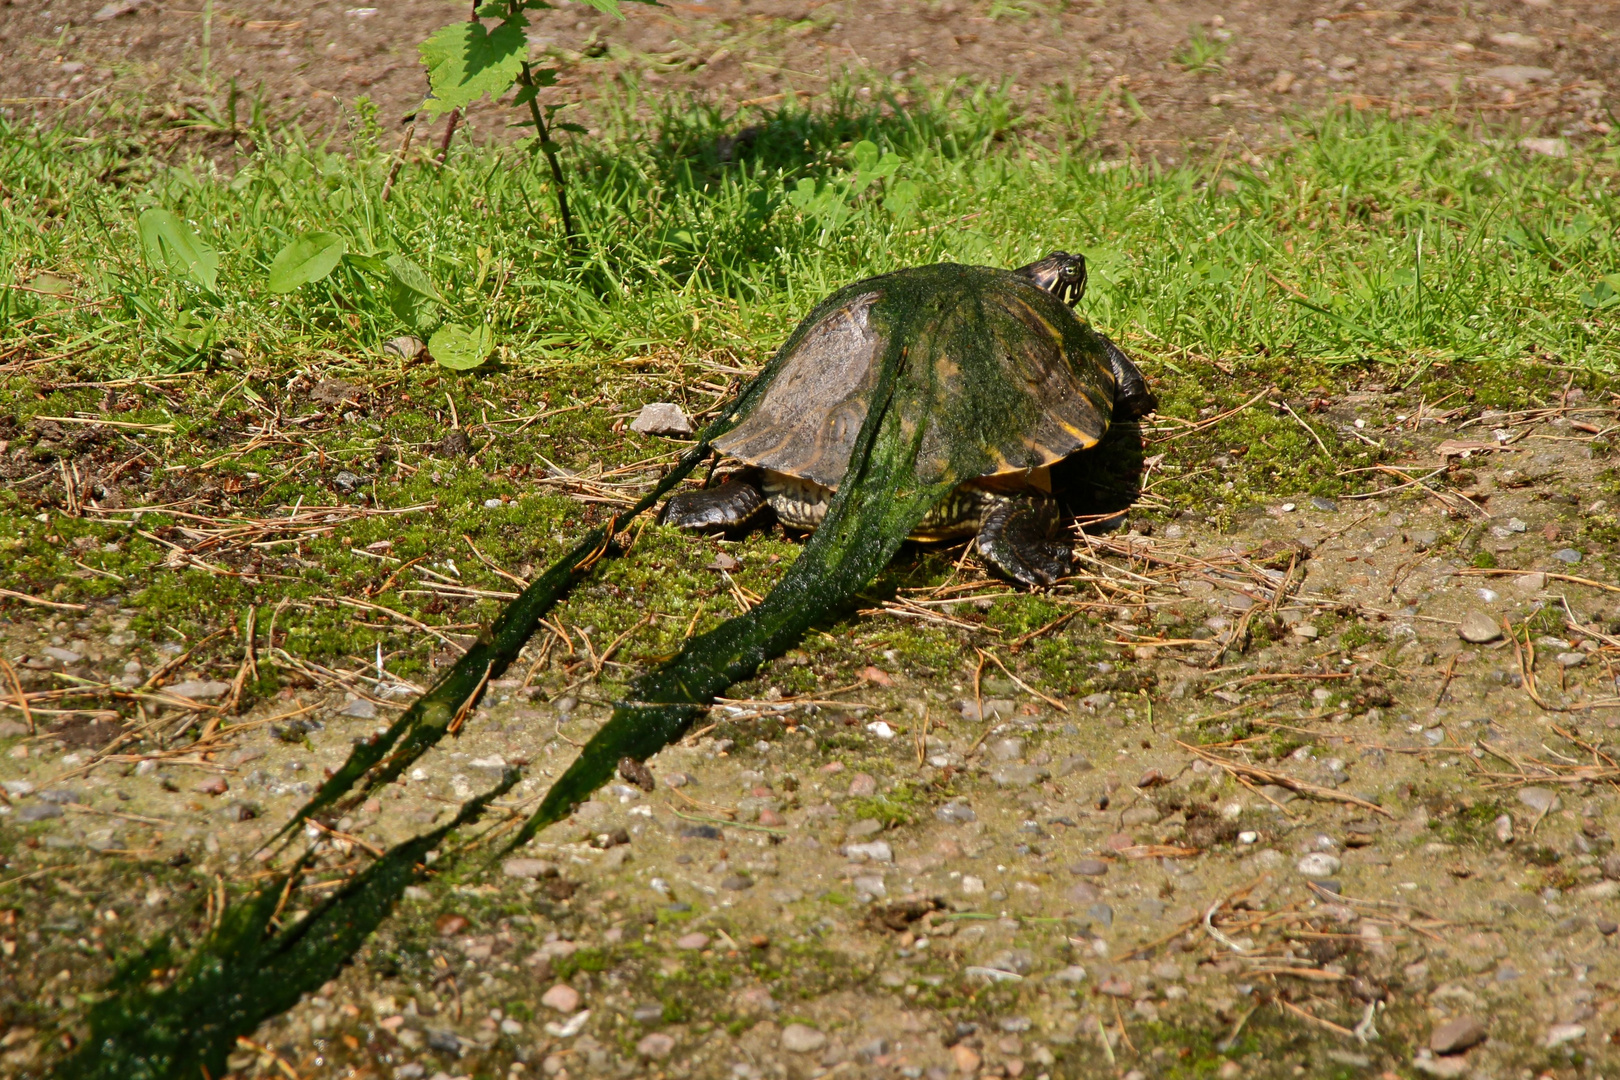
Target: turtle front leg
(1022,537)
(1132,398)
(732,505)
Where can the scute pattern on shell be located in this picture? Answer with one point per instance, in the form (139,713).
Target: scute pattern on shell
(1015,380)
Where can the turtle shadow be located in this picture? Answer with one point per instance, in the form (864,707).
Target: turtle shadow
(1099,486)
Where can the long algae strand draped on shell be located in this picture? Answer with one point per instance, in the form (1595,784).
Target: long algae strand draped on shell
(244,973)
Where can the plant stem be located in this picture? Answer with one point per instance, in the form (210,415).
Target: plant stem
(449,133)
(551,155)
(207,35)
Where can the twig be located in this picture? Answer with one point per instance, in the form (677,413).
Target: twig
(727,824)
(25,598)
(155,680)
(1267,776)
(1303,1015)
(1445,679)
(513,578)
(1308,429)
(22,698)
(1212,421)
(460,719)
(1056,704)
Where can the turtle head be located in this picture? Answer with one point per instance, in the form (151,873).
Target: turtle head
(1061,274)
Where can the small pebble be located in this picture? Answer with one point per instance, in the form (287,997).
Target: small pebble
(1479,627)
(1318,864)
(802,1039)
(1089,868)
(562,997)
(1456,1035)
(1559,1034)
(1567,555)
(656,1046)
(661,418)
(692,941)
(1541,800)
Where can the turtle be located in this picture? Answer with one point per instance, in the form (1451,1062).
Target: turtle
(1033,384)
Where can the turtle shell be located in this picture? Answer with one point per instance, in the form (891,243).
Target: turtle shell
(1000,374)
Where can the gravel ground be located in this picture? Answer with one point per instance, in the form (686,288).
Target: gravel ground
(1379,835)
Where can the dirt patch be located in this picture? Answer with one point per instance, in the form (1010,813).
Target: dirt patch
(1153,79)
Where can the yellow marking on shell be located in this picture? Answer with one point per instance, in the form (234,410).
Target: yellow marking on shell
(1086,439)
(1038,317)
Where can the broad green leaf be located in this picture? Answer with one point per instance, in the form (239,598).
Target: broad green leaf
(460,348)
(866,155)
(411,294)
(369,263)
(414,310)
(902,198)
(310,257)
(465,62)
(171,244)
(411,277)
(801,193)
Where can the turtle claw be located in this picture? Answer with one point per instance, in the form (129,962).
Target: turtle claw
(1022,539)
(732,505)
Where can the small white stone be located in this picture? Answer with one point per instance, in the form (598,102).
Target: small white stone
(802,1039)
(1289,508)
(880,729)
(1539,799)
(1556,148)
(972,886)
(1318,864)
(661,418)
(1559,1034)
(1248,836)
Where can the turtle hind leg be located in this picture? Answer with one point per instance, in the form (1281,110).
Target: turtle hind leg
(733,505)
(1023,538)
